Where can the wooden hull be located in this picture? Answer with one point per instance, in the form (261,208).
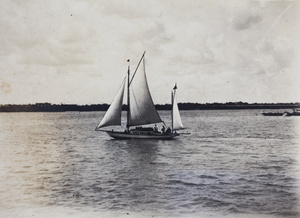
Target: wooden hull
(124,135)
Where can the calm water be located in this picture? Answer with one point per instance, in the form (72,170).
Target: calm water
(233,164)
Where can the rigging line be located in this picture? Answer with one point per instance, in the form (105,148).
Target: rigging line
(137,67)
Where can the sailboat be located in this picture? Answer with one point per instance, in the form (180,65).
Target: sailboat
(140,110)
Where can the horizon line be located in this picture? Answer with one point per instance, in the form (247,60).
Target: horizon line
(234,102)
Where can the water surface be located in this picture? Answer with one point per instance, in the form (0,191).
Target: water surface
(233,164)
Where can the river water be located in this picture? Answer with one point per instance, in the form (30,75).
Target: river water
(232,164)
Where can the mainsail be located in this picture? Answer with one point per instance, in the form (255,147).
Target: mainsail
(177,123)
(142,109)
(113,114)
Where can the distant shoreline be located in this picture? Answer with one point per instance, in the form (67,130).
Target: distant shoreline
(47,107)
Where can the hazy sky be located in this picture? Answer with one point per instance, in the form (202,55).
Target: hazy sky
(68,51)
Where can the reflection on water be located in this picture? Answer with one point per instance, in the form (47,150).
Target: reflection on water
(234,163)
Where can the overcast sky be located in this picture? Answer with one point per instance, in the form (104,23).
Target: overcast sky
(68,51)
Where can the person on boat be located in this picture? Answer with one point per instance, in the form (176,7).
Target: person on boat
(155,128)
(168,131)
(163,129)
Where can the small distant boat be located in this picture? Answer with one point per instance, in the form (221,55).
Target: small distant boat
(278,114)
(141,110)
(296,112)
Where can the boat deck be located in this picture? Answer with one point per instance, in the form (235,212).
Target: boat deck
(137,134)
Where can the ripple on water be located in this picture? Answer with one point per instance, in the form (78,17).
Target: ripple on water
(227,166)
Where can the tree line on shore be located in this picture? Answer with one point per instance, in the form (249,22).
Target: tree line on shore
(48,107)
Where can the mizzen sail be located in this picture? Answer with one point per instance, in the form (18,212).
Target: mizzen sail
(142,109)
(113,114)
(177,123)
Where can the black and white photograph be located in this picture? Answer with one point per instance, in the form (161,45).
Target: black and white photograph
(149,109)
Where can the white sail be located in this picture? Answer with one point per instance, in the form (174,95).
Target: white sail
(113,114)
(142,109)
(177,123)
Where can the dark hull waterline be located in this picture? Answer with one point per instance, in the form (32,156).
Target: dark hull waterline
(281,114)
(125,135)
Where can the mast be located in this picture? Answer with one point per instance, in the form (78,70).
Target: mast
(172,101)
(172,97)
(128,97)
